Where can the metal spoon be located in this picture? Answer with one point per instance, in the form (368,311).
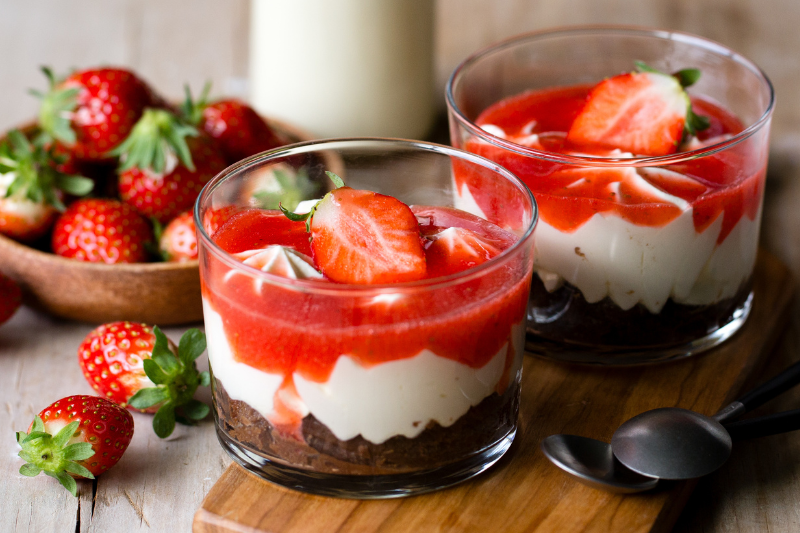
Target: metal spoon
(669,443)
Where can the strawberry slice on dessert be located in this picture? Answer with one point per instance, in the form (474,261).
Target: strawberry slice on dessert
(457,249)
(363,237)
(646,112)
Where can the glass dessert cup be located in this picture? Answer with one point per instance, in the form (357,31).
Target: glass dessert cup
(367,391)
(622,281)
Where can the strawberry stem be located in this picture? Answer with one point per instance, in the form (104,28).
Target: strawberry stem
(55,113)
(191,109)
(35,175)
(53,455)
(299,217)
(157,136)
(176,379)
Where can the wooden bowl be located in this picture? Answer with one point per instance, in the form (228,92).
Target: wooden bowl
(154,293)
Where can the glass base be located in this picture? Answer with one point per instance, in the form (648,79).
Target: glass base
(635,355)
(365,487)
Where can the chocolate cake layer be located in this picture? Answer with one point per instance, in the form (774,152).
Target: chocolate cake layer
(317,449)
(565,316)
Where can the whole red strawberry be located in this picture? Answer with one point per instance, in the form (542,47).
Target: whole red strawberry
(32,187)
(136,365)
(77,436)
(10,297)
(165,164)
(178,241)
(102,230)
(237,128)
(93,111)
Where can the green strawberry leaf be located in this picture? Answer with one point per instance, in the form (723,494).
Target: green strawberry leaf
(297,217)
(33,435)
(195,410)
(78,470)
(205,379)
(38,424)
(192,345)
(56,109)
(62,437)
(75,185)
(687,76)
(21,436)
(339,182)
(78,451)
(695,123)
(27,457)
(164,421)
(192,110)
(183,420)
(19,144)
(641,66)
(66,480)
(154,372)
(30,470)
(162,355)
(148,397)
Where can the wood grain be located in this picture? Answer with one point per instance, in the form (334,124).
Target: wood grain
(524,492)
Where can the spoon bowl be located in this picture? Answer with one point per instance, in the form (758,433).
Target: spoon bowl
(591,462)
(672,443)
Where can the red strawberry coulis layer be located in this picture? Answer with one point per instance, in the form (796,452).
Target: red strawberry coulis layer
(728,183)
(286,328)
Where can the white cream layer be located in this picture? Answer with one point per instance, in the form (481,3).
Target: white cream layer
(393,398)
(608,256)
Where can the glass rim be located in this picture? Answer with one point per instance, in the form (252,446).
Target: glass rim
(669,35)
(332,288)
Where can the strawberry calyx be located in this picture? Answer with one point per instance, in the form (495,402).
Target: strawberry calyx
(686,78)
(176,378)
(299,217)
(157,137)
(55,113)
(191,110)
(53,454)
(35,178)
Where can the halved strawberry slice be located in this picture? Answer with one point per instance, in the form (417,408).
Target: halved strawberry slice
(363,237)
(456,249)
(646,112)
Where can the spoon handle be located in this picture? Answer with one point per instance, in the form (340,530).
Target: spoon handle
(764,425)
(761,394)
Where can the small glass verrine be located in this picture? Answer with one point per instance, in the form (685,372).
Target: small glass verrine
(363,391)
(657,263)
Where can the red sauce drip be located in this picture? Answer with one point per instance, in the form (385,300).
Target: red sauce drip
(728,183)
(283,330)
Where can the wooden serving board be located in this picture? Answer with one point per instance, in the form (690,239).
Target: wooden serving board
(524,492)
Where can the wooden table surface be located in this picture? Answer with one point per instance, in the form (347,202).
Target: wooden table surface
(158,485)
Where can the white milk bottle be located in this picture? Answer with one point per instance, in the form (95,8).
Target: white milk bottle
(340,68)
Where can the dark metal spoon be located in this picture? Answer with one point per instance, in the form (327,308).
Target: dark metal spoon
(669,443)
